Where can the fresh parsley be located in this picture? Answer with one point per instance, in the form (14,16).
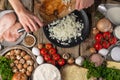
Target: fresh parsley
(5,69)
(101,71)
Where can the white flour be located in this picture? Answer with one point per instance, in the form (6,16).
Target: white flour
(46,72)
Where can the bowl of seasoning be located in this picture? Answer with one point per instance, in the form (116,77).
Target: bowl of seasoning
(29,40)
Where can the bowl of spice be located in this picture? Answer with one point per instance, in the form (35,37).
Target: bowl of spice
(29,40)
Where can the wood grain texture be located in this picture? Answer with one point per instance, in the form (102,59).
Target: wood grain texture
(2,4)
(29,4)
(41,38)
(81,49)
(74,51)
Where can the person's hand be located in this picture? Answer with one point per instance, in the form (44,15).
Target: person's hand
(80,4)
(29,21)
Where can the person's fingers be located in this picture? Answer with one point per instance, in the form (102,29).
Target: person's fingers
(40,24)
(92,2)
(87,4)
(26,28)
(81,5)
(34,25)
(77,4)
(30,26)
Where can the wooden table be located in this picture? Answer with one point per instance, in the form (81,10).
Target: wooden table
(81,49)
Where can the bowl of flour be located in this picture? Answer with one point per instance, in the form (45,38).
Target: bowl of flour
(46,72)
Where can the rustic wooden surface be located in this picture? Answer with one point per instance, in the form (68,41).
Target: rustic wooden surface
(81,49)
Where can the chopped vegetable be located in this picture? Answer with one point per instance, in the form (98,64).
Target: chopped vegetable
(5,69)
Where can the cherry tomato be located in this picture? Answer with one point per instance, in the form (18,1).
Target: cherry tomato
(52,62)
(52,51)
(97,46)
(99,37)
(113,40)
(48,46)
(47,57)
(43,51)
(107,35)
(56,57)
(106,44)
(61,62)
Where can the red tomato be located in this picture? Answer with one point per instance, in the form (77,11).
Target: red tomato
(97,46)
(61,62)
(47,57)
(113,40)
(107,35)
(106,44)
(52,62)
(56,57)
(52,51)
(98,37)
(48,46)
(43,51)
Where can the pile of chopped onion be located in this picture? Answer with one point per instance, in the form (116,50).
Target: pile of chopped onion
(66,29)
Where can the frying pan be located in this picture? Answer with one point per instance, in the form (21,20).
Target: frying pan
(81,16)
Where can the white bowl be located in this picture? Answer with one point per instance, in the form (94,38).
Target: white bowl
(24,43)
(115,53)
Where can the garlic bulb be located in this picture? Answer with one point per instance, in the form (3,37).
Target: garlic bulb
(79,60)
(39,59)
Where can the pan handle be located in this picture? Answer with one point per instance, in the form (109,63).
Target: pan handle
(21,30)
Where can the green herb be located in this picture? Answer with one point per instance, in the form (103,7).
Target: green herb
(101,71)
(5,69)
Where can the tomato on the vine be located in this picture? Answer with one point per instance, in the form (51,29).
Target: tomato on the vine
(61,62)
(56,57)
(113,40)
(52,62)
(47,57)
(43,51)
(52,51)
(48,46)
(107,35)
(97,46)
(99,37)
(106,44)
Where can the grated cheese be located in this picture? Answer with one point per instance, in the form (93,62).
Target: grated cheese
(66,29)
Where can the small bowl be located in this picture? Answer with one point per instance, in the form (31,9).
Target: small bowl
(29,40)
(112,51)
(116,32)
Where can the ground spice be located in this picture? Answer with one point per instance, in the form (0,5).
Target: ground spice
(29,40)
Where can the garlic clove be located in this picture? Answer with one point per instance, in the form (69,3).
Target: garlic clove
(35,51)
(39,59)
(103,52)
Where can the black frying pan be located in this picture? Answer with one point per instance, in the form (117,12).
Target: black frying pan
(81,16)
